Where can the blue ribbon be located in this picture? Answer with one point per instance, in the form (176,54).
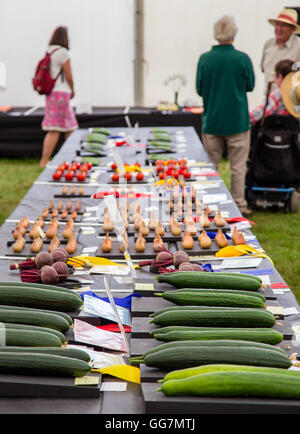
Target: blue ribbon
(124,302)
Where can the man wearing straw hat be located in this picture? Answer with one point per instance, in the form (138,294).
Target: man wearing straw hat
(285,44)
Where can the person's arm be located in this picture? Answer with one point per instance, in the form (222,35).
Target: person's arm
(271,108)
(199,79)
(68,75)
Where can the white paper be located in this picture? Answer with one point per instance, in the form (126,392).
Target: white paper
(116,386)
(290,311)
(85,332)
(214,198)
(239,263)
(95,306)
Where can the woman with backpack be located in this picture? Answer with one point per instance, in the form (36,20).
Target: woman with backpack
(59,115)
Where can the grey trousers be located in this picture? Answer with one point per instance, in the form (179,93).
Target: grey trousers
(237,151)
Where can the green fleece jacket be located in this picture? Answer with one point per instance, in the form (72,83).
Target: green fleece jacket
(224,76)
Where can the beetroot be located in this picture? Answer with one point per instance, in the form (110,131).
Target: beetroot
(59,255)
(179,257)
(62,270)
(43,258)
(197,267)
(49,275)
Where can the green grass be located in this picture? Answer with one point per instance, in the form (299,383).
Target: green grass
(16,178)
(277,232)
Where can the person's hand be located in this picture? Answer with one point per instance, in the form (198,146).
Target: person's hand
(72,94)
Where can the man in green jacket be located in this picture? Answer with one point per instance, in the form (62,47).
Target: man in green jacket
(224,76)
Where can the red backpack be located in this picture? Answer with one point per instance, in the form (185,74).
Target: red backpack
(42,81)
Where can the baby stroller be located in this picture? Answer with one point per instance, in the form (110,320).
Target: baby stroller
(274,164)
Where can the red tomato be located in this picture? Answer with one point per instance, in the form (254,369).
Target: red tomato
(171,162)
(69,175)
(175,174)
(114,166)
(160,169)
(81,175)
(128,176)
(57,175)
(137,164)
(182,161)
(139,176)
(89,164)
(162,175)
(115,177)
(61,167)
(84,167)
(186,174)
(159,163)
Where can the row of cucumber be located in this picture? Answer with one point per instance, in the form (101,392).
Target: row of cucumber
(228,380)
(191,353)
(38,295)
(32,340)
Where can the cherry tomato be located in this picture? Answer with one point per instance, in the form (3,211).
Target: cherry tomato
(175,174)
(139,176)
(69,175)
(89,164)
(115,177)
(128,176)
(186,174)
(182,161)
(81,175)
(57,175)
(160,169)
(162,175)
(114,166)
(159,163)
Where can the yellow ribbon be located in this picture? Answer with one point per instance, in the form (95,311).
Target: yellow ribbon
(125,372)
(239,250)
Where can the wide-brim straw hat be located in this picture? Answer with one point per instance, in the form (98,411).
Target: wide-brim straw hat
(290,92)
(288,16)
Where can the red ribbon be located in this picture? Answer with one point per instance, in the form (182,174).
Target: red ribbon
(114,328)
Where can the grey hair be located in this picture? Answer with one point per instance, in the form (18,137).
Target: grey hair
(225,29)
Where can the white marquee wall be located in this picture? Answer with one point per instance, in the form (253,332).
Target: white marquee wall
(178,31)
(101,34)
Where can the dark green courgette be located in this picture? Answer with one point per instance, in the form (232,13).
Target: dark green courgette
(42,364)
(40,319)
(236,384)
(181,357)
(243,317)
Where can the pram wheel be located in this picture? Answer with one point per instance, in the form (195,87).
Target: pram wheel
(294,202)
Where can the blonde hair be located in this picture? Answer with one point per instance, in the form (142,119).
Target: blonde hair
(225,29)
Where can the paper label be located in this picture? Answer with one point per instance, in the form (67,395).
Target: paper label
(101,308)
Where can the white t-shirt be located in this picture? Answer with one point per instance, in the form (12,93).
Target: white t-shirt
(57,60)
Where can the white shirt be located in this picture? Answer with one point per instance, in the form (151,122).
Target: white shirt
(273,53)
(58,58)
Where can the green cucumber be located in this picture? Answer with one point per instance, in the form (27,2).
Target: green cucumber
(75,353)
(211,299)
(236,384)
(222,291)
(203,279)
(39,298)
(251,276)
(39,286)
(176,308)
(205,343)
(26,327)
(181,357)
(41,319)
(28,338)
(230,317)
(204,369)
(42,364)
(175,328)
(269,336)
(61,314)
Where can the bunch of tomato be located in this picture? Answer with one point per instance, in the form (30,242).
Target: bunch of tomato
(172,168)
(129,175)
(71,171)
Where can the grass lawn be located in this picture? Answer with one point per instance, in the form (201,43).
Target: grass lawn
(279,235)
(278,232)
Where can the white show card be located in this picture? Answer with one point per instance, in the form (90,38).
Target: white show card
(101,308)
